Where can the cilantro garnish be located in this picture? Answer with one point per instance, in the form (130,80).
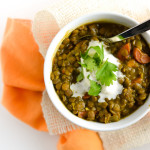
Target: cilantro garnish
(100,53)
(85,54)
(97,59)
(88,76)
(90,63)
(105,73)
(94,88)
(83,65)
(80,76)
(94,61)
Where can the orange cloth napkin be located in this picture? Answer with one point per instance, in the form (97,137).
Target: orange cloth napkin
(80,139)
(22,72)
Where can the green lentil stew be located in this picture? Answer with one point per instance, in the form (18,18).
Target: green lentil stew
(133,54)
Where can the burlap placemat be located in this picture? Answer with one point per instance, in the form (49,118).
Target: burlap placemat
(48,22)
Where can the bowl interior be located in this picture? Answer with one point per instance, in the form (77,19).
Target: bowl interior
(109,17)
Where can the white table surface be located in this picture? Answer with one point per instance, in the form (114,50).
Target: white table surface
(15,135)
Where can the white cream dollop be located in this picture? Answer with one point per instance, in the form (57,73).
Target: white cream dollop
(109,92)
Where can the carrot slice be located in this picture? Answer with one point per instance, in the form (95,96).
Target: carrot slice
(132,63)
(124,52)
(140,56)
(137,80)
(86,96)
(82,114)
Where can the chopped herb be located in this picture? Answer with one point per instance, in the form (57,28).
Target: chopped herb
(93,61)
(99,55)
(100,52)
(80,76)
(88,76)
(105,73)
(94,88)
(97,59)
(83,65)
(85,54)
(120,37)
(90,63)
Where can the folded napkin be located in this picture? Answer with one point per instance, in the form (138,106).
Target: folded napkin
(65,11)
(22,73)
(80,139)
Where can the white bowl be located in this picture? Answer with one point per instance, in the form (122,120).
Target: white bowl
(112,17)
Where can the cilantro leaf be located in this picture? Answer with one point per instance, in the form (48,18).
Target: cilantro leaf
(93,60)
(105,73)
(83,65)
(90,63)
(85,54)
(94,88)
(97,59)
(80,76)
(88,76)
(100,52)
